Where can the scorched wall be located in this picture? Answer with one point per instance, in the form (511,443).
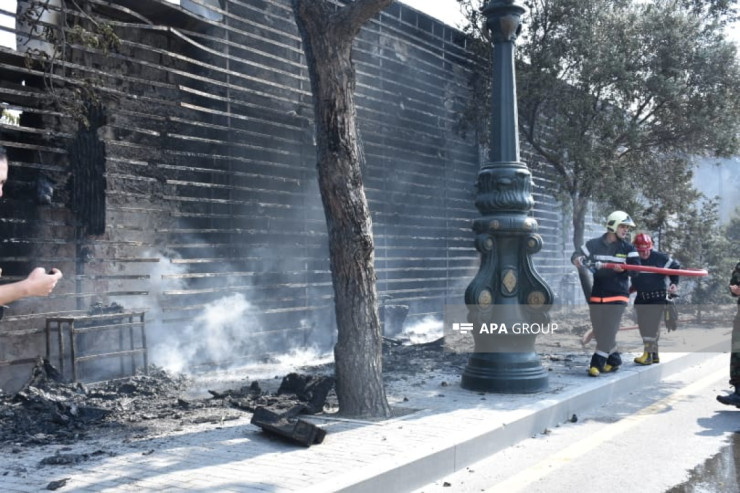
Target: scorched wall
(192,193)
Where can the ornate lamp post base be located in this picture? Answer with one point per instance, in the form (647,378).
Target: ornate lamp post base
(507,289)
(505,373)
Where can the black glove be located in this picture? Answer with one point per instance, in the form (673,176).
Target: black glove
(670,316)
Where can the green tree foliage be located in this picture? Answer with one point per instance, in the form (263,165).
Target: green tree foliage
(721,10)
(62,26)
(733,234)
(616,96)
(698,237)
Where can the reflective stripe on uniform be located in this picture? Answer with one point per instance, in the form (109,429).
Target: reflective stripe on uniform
(609,258)
(608,299)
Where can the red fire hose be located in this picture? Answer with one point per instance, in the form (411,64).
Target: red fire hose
(655,270)
(588,336)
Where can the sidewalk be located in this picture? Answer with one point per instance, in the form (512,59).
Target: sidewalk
(444,428)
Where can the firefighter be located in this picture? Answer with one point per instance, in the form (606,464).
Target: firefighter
(734,398)
(652,295)
(610,291)
(38,282)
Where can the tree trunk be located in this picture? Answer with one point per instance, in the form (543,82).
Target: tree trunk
(328,32)
(580,207)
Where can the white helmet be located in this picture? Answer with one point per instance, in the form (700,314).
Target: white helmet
(618,218)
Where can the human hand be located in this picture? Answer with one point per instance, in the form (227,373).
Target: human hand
(39,283)
(735,289)
(672,289)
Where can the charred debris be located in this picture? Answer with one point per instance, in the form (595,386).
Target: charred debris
(48,410)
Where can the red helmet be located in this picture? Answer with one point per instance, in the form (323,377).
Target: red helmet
(643,242)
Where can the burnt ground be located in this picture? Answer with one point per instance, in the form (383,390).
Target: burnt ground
(48,411)
(48,416)
(155,404)
(59,427)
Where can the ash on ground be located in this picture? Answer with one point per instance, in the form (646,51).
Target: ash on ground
(49,411)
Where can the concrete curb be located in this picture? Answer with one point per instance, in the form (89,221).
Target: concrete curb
(424,466)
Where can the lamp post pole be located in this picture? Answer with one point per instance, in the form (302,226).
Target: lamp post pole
(507,292)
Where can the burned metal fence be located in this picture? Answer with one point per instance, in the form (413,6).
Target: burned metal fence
(192,180)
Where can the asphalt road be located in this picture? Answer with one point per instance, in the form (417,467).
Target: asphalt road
(649,441)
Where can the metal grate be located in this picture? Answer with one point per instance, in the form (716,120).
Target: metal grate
(90,342)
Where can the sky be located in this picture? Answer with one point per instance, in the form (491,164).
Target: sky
(447,11)
(6,38)
(444,10)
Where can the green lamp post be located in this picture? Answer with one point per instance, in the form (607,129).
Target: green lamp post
(507,293)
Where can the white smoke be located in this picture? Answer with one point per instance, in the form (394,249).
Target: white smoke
(164,274)
(425,330)
(221,333)
(217,334)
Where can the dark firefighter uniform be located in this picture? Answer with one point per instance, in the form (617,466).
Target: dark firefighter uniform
(735,354)
(609,296)
(734,398)
(650,302)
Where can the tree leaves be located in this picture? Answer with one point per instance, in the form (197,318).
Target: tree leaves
(618,96)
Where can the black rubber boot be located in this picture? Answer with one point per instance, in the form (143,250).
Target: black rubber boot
(731,399)
(613,362)
(597,366)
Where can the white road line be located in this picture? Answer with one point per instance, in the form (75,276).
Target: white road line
(547,466)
